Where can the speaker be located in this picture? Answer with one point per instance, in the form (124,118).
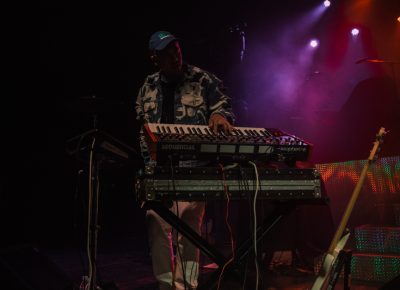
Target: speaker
(25,267)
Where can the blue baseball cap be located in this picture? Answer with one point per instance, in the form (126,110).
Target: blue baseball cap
(160,39)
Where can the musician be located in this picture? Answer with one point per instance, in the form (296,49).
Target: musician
(178,93)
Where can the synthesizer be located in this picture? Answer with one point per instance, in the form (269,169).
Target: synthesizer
(196,142)
(210,183)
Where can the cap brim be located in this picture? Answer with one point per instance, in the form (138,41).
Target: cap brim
(167,40)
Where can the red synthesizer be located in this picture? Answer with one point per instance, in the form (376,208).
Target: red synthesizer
(168,142)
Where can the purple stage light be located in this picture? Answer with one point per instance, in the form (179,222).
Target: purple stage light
(314,43)
(327,3)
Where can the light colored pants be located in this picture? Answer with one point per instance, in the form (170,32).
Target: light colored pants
(167,269)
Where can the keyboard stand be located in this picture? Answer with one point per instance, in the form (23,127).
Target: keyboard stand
(186,231)
(233,270)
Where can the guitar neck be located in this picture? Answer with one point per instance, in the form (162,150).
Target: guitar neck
(346,215)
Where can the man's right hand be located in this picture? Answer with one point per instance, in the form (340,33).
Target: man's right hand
(218,123)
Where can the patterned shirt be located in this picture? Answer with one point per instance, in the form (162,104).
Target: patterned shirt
(197,96)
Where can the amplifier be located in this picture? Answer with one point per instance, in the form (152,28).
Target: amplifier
(208,183)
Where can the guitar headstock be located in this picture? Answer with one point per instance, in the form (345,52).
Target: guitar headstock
(377,144)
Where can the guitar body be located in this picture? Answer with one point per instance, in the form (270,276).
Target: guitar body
(339,241)
(327,265)
(324,272)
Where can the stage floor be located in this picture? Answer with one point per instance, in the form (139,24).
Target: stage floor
(126,263)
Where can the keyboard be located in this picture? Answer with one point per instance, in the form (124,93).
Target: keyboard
(168,142)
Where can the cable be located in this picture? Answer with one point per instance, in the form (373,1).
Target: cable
(244,185)
(77,151)
(228,166)
(255,221)
(227,195)
(97,277)
(245,273)
(77,226)
(177,234)
(90,199)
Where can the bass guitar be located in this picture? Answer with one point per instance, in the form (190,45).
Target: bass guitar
(339,240)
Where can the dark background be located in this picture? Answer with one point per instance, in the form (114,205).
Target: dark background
(100,49)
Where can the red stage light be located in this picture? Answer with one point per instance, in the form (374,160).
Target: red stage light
(355,31)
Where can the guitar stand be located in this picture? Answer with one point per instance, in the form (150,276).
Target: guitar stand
(241,251)
(343,262)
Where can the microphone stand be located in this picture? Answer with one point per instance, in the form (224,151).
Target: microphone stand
(96,143)
(89,281)
(93,210)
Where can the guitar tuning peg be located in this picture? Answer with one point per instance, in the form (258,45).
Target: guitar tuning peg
(382,132)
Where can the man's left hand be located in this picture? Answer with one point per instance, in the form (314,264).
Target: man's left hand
(218,123)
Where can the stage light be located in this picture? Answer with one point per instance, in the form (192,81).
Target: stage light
(398,19)
(327,3)
(355,32)
(314,43)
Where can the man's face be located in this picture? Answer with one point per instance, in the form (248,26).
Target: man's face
(169,60)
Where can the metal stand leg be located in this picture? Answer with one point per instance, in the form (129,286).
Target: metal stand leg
(186,231)
(347,269)
(343,262)
(242,250)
